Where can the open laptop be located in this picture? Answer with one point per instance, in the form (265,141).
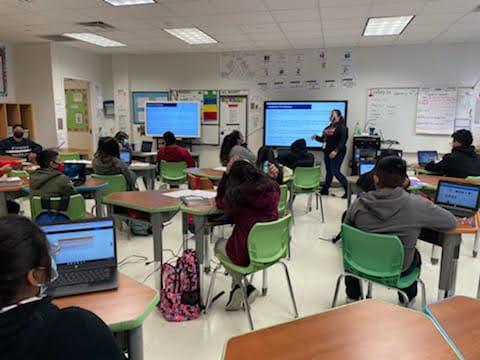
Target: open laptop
(426,156)
(366,166)
(462,200)
(147,146)
(76,172)
(126,157)
(86,256)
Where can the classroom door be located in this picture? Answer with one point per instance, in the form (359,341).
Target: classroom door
(77,106)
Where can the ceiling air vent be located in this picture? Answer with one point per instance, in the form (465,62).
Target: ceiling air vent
(97,25)
(57,38)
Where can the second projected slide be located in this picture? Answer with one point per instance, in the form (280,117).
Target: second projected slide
(286,122)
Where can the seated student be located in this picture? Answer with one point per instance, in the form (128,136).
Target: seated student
(49,180)
(392,210)
(171,152)
(18,146)
(122,138)
(298,155)
(462,162)
(234,145)
(107,161)
(31,326)
(250,196)
(12,206)
(275,170)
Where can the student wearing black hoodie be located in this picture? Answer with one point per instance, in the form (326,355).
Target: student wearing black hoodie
(298,155)
(462,162)
(31,326)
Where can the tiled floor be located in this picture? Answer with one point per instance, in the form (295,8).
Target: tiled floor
(314,266)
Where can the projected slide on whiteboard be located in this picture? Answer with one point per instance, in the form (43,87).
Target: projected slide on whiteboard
(287,121)
(180,117)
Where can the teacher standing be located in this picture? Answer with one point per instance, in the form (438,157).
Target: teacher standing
(334,138)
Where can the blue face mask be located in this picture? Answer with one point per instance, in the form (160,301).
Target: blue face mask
(124,142)
(53,276)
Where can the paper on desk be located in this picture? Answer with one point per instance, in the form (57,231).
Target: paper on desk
(221,168)
(86,162)
(201,193)
(414,181)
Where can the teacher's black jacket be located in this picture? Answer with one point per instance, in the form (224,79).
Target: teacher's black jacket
(335,137)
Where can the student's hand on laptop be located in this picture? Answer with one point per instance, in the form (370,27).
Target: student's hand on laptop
(230,163)
(332,155)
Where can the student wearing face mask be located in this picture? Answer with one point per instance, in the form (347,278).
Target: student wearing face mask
(334,138)
(18,146)
(122,139)
(31,326)
(49,180)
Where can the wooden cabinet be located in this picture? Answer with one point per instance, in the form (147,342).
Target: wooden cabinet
(12,114)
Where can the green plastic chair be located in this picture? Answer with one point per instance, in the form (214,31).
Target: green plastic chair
(76,206)
(282,204)
(173,173)
(69,156)
(267,246)
(473,178)
(375,258)
(116,183)
(19,173)
(306,180)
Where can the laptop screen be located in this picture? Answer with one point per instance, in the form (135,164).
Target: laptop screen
(424,157)
(147,146)
(458,195)
(366,166)
(126,157)
(74,171)
(83,241)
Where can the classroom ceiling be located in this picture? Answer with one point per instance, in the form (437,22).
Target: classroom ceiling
(241,24)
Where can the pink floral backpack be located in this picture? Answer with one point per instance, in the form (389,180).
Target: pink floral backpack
(180,299)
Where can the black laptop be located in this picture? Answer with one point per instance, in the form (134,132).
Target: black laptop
(462,200)
(76,172)
(426,156)
(147,146)
(85,254)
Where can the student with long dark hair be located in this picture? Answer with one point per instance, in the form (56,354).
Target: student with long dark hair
(122,139)
(250,196)
(31,326)
(233,145)
(107,161)
(268,164)
(335,138)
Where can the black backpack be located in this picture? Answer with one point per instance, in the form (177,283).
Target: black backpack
(49,215)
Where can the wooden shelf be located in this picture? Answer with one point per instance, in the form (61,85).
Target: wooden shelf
(12,114)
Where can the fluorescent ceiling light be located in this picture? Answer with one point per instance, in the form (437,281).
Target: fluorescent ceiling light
(192,36)
(129,2)
(391,25)
(94,39)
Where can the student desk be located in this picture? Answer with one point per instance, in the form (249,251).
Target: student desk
(157,207)
(5,193)
(209,173)
(90,186)
(365,330)
(84,154)
(459,320)
(149,157)
(124,310)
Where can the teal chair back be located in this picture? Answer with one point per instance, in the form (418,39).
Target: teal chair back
(376,257)
(173,171)
(307,178)
(76,206)
(268,241)
(116,183)
(69,156)
(282,204)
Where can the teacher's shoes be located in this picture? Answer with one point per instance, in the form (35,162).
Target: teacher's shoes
(236,297)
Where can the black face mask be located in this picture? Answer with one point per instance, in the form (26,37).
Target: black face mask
(18,134)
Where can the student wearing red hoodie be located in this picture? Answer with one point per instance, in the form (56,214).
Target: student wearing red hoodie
(172,152)
(250,196)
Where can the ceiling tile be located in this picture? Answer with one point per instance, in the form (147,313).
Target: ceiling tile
(192,8)
(291,4)
(251,18)
(450,6)
(335,13)
(345,23)
(294,35)
(301,26)
(267,36)
(239,5)
(396,8)
(295,15)
(261,28)
(337,3)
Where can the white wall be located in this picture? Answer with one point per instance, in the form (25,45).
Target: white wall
(10,73)
(416,65)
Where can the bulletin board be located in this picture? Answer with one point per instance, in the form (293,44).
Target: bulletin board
(76,109)
(233,114)
(139,98)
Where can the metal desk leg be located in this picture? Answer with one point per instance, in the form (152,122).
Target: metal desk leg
(3,204)
(135,344)
(435,254)
(349,194)
(185,230)
(98,203)
(157,230)
(475,245)
(448,266)
(150,180)
(200,224)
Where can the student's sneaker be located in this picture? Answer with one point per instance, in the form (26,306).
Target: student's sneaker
(252,294)
(235,300)
(324,191)
(410,303)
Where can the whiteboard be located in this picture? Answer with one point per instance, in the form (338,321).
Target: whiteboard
(392,111)
(209,136)
(436,110)
(233,115)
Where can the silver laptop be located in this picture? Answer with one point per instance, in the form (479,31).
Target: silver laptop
(86,256)
(462,200)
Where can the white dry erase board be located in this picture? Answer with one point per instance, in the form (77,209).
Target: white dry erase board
(394,112)
(233,114)
(436,110)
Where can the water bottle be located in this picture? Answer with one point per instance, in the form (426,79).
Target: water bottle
(357,131)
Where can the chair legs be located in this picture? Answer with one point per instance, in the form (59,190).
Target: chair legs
(321,206)
(369,290)
(404,297)
(290,288)
(337,288)
(264,282)
(244,285)
(208,300)
(424,293)
(475,245)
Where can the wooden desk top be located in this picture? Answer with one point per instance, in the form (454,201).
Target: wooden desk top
(122,309)
(209,173)
(434,179)
(210,209)
(153,201)
(364,330)
(459,317)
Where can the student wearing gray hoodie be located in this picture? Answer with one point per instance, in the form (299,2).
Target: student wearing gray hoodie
(392,210)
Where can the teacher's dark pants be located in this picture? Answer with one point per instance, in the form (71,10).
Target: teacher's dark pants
(332,167)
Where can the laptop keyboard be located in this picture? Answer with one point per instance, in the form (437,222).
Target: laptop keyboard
(82,277)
